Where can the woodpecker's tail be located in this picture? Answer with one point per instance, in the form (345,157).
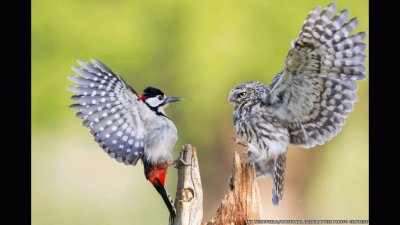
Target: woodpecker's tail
(156,175)
(278,179)
(167,200)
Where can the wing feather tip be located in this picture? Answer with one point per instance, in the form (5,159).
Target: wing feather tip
(71,89)
(80,61)
(75,106)
(72,78)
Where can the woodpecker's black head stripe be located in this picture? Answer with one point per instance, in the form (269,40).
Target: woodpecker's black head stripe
(155,110)
(152,92)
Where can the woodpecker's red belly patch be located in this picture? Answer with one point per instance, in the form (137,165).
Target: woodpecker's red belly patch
(157,172)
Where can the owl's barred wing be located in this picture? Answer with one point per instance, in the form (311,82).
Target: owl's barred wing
(108,106)
(317,88)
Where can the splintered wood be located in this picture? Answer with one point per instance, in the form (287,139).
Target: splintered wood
(241,203)
(243,199)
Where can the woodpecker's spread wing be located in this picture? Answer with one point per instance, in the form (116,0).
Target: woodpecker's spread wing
(317,88)
(109,107)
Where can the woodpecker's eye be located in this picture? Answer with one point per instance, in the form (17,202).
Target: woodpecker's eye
(241,94)
(160,97)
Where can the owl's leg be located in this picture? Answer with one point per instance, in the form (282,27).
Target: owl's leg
(265,168)
(251,150)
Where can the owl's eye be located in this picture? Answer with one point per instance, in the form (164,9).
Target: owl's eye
(241,94)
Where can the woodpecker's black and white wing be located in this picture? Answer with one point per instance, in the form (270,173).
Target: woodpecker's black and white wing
(109,107)
(317,88)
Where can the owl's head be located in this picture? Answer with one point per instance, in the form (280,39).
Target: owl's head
(252,91)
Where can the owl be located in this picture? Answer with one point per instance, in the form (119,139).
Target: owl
(306,103)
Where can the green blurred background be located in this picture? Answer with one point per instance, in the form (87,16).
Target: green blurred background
(198,51)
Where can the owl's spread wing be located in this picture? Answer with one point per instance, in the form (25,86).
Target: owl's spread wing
(108,106)
(317,88)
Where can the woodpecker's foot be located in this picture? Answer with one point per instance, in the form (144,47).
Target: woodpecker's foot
(180,161)
(241,142)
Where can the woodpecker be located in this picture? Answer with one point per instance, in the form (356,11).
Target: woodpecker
(307,103)
(127,126)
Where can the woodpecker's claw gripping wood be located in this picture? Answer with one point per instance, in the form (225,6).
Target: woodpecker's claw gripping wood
(180,160)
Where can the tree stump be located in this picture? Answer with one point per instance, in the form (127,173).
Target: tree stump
(241,203)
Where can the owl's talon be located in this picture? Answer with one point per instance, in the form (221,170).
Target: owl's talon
(241,142)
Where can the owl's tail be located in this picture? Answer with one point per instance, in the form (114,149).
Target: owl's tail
(278,179)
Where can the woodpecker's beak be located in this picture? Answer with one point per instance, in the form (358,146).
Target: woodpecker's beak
(172,99)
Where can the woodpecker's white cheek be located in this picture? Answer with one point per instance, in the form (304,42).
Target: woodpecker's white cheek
(161,109)
(153,102)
